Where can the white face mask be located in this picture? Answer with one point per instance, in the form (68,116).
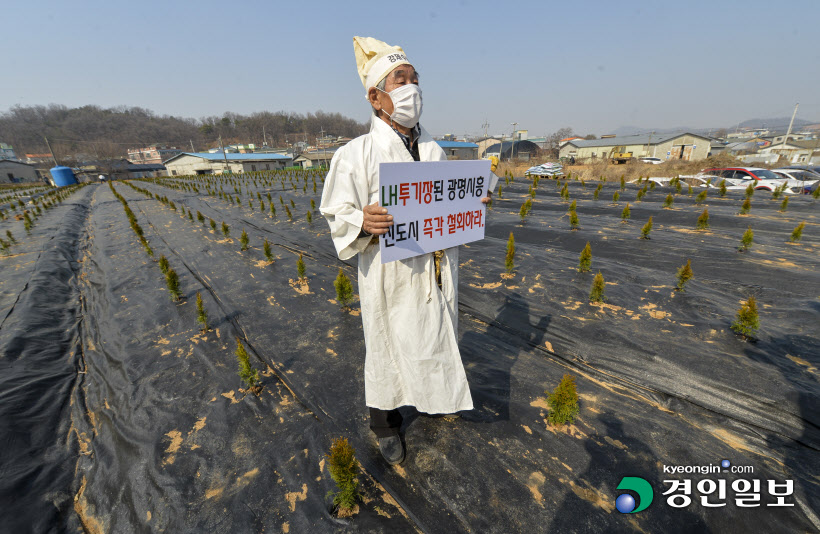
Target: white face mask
(406,104)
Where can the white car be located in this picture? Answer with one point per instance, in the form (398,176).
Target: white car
(653,161)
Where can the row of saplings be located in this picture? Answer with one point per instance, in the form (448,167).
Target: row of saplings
(746,321)
(29,216)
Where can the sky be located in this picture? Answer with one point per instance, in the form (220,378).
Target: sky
(591,66)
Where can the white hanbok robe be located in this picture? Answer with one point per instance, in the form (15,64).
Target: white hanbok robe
(410,325)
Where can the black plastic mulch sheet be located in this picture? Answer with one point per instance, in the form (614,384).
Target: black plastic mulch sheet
(126,417)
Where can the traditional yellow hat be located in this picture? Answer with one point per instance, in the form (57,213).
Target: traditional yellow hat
(375,59)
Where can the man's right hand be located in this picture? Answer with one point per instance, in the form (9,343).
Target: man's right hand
(376,220)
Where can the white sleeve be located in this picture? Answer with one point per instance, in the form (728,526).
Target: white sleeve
(343,196)
(493,182)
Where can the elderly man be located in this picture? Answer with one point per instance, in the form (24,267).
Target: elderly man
(409,308)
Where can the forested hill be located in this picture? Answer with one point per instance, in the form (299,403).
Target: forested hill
(108,133)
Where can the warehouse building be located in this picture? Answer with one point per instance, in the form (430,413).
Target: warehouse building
(17,172)
(681,145)
(459,149)
(207,163)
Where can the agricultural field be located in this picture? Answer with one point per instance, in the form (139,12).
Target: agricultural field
(123,410)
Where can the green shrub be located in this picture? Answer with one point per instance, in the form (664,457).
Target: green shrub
(596,294)
(641,194)
(290,215)
(747,321)
(266,250)
(343,469)
(525,208)
(300,267)
(623,183)
(667,203)
(646,229)
(701,197)
(344,289)
(573,220)
(163,264)
(172,281)
(626,213)
(750,190)
(722,188)
(784,204)
(213,224)
(563,402)
(10,237)
(509,260)
(499,192)
(816,193)
(309,217)
(244,240)
(703,220)
(684,275)
(248,374)
(585,259)
(272,210)
(651,185)
(226,231)
(616,196)
(746,206)
(689,191)
(202,315)
(746,240)
(573,205)
(597,191)
(797,233)
(312,204)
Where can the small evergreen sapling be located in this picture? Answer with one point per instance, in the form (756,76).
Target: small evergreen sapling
(684,275)
(596,293)
(667,203)
(616,196)
(750,190)
(248,374)
(746,206)
(11,237)
(163,264)
(300,268)
(172,281)
(563,402)
(213,225)
(703,221)
(573,220)
(344,289)
(244,240)
(525,209)
(509,261)
(573,205)
(290,215)
(226,231)
(343,469)
(747,321)
(309,217)
(816,193)
(784,204)
(722,188)
(201,314)
(646,229)
(701,197)
(266,250)
(797,233)
(585,259)
(626,213)
(746,240)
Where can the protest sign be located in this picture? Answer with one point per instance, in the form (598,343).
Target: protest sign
(434,204)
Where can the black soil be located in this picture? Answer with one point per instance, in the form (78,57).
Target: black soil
(119,415)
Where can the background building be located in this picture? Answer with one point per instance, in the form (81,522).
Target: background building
(315,158)
(207,163)
(16,172)
(459,149)
(683,145)
(7,152)
(155,154)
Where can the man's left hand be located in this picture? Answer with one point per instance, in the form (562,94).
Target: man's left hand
(487,199)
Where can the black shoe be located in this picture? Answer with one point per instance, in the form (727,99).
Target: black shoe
(392,449)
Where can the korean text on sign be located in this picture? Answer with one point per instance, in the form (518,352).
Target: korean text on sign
(434,205)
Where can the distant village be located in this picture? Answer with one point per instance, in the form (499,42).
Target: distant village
(752,146)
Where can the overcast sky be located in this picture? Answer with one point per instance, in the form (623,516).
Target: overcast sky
(593,66)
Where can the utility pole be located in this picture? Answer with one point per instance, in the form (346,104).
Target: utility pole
(512,146)
(264,136)
(486,127)
(192,145)
(223,153)
(789,131)
(52,152)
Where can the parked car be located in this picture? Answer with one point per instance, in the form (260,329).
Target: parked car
(813,168)
(762,178)
(653,161)
(802,179)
